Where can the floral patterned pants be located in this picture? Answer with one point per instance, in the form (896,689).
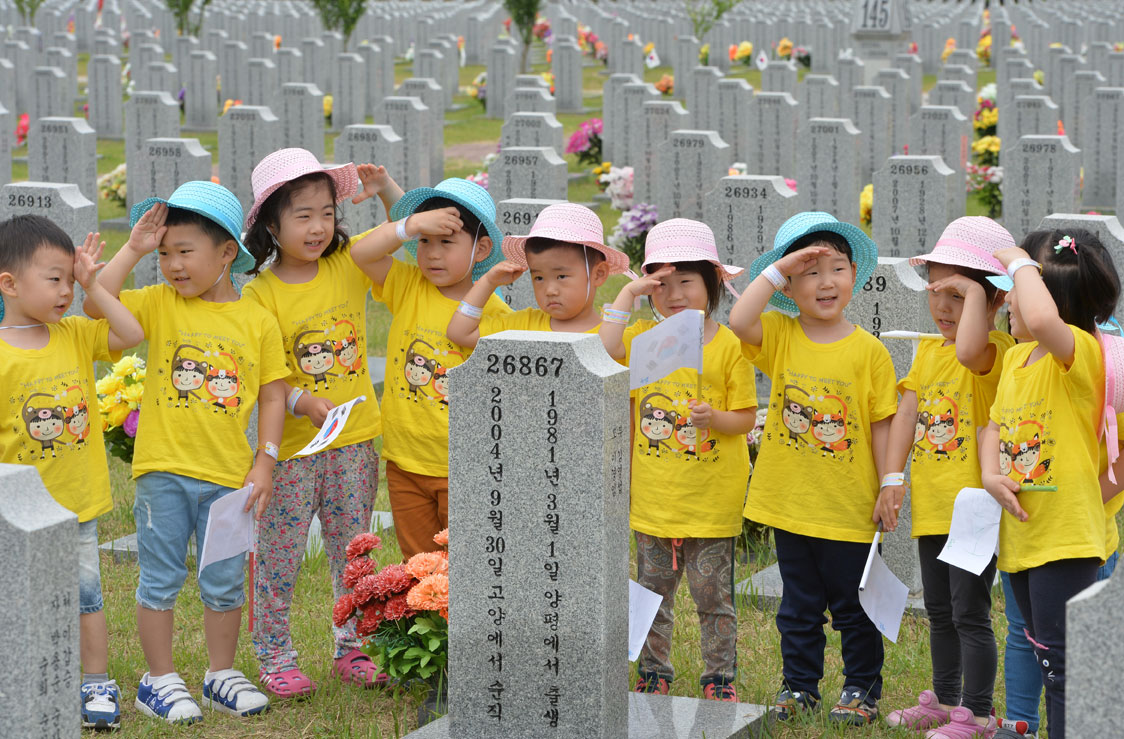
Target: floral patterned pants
(709,564)
(339,486)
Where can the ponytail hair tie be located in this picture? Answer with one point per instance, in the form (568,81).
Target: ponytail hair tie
(1066,241)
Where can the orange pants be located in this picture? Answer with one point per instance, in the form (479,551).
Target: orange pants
(420,505)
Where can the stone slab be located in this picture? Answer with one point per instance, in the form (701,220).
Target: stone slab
(763,591)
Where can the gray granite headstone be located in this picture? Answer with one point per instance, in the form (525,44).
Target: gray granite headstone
(614,136)
(633,97)
(1094,659)
(49,96)
(532,129)
(885,304)
(300,107)
(537,640)
(264,83)
(1033,115)
(915,197)
(658,119)
(502,63)
(744,212)
(39,619)
(827,168)
(290,65)
(1104,121)
(201,106)
(701,93)
(774,118)
(819,96)
(734,102)
(944,131)
(19,54)
(349,101)
(234,68)
(851,72)
(958,73)
(567,67)
(104,75)
(362,144)
(6,124)
(1078,92)
(429,92)
(871,112)
(689,164)
(1041,175)
(410,119)
(317,64)
(380,72)
(64,150)
(956,93)
(148,115)
(515,217)
(779,76)
(897,83)
(68,63)
(524,171)
(247,133)
(529,100)
(912,66)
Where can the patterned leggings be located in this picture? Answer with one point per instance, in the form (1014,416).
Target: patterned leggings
(709,564)
(338,485)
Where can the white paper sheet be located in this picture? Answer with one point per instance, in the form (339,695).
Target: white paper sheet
(230,530)
(642,607)
(973,535)
(672,344)
(882,594)
(333,425)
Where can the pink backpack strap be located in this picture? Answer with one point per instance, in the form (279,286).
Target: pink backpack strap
(1108,427)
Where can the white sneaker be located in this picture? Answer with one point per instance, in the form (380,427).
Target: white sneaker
(166,698)
(230,692)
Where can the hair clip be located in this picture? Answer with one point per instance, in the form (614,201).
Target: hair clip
(1067,241)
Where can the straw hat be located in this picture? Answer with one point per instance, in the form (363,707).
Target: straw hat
(285,165)
(212,201)
(970,242)
(684,240)
(572,224)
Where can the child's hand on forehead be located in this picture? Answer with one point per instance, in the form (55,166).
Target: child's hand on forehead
(646,285)
(149,231)
(374,179)
(86,264)
(1010,254)
(504,273)
(958,284)
(440,222)
(798,261)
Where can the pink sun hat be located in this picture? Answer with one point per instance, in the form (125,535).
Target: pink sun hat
(571,223)
(970,242)
(286,165)
(684,240)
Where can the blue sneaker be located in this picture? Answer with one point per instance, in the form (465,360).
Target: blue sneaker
(230,692)
(166,698)
(101,705)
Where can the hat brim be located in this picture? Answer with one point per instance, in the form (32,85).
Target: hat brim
(515,249)
(244,262)
(725,271)
(864,253)
(948,259)
(344,176)
(1003,282)
(408,204)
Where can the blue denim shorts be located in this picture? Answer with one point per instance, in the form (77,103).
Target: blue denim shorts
(89,568)
(168,509)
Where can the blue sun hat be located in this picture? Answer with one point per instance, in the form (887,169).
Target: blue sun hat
(864,253)
(470,196)
(212,201)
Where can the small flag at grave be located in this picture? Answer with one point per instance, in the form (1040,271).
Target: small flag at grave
(676,343)
(762,61)
(652,60)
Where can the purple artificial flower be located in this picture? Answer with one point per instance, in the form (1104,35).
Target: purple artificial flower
(130,425)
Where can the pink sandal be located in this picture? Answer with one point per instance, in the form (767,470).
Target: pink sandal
(927,714)
(356,668)
(288,684)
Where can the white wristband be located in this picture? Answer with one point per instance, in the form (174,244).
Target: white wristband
(400,230)
(773,275)
(893,478)
(294,396)
(270,449)
(1018,264)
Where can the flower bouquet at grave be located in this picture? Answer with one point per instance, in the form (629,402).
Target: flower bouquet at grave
(401,611)
(984,180)
(601,169)
(480,178)
(912,47)
(631,230)
(983,48)
(736,169)
(986,119)
(666,85)
(541,30)
(478,89)
(119,398)
(866,205)
(949,47)
(586,39)
(986,150)
(742,53)
(22,127)
(228,104)
(803,56)
(549,78)
(784,48)
(618,186)
(586,141)
(601,52)
(111,186)
(704,54)
(327,110)
(1118,46)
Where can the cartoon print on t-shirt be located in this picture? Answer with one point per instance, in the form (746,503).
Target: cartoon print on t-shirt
(77,416)
(44,422)
(419,369)
(796,414)
(1026,448)
(222,383)
(921,427)
(692,440)
(347,349)
(1006,451)
(188,374)
(829,424)
(942,427)
(657,423)
(314,357)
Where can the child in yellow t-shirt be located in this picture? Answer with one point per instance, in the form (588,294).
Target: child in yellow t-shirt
(690,460)
(452,231)
(319,298)
(568,261)
(816,477)
(1043,433)
(212,356)
(50,408)
(945,398)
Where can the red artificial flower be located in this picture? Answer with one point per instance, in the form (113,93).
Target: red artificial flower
(343,610)
(366,590)
(362,544)
(397,607)
(393,579)
(369,623)
(355,569)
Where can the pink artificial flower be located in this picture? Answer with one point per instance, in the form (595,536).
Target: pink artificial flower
(130,425)
(363,544)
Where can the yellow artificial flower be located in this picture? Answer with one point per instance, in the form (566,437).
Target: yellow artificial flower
(133,395)
(648,47)
(866,204)
(704,53)
(109,385)
(784,48)
(988,117)
(117,414)
(327,105)
(986,144)
(127,365)
(745,49)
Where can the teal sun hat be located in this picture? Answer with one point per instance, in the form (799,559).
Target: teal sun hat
(864,253)
(467,194)
(212,201)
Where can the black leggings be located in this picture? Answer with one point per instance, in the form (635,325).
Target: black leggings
(961,641)
(1041,593)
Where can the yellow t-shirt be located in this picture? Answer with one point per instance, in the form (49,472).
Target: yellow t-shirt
(206,362)
(528,319)
(324,331)
(415,398)
(952,405)
(1047,417)
(687,482)
(815,473)
(51,404)
(1113,506)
